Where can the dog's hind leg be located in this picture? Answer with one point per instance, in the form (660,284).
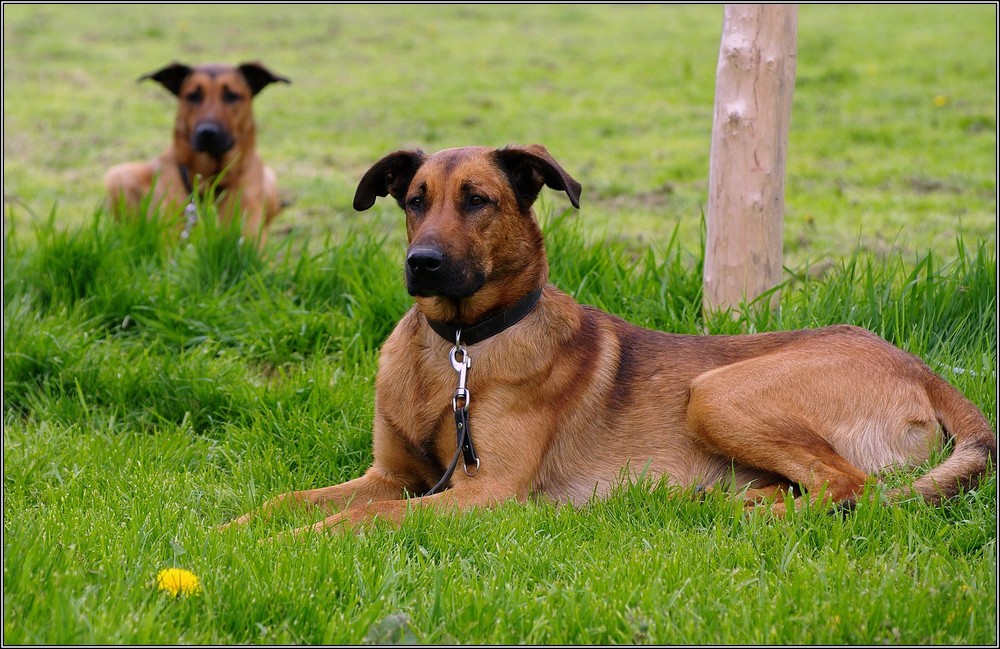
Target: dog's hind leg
(748,429)
(782,444)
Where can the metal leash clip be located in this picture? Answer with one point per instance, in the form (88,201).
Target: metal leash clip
(461,361)
(462,367)
(190,218)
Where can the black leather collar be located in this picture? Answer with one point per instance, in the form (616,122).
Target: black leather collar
(491,327)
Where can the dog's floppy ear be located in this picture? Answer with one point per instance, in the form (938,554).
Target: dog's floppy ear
(258,77)
(530,167)
(170,77)
(390,175)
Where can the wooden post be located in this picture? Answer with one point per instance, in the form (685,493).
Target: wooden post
(746,187)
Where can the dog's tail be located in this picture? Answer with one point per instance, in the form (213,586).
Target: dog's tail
(975,446)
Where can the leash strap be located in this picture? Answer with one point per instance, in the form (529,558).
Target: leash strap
(491,327)
(186,178)
(465,441)
(462,445)
(465,449)
(460,404)
(461,362)
(191,211)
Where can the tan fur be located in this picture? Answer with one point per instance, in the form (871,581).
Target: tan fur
(207,94)
(570,397)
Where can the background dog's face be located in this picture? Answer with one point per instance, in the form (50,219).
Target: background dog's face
(468,212)
(214,116)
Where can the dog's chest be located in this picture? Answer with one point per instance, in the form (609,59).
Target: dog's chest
(416,390)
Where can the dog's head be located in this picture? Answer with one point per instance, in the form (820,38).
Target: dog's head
(473,239)
(214,116)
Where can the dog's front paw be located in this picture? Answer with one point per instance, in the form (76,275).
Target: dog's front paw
(236,522)
(336,524)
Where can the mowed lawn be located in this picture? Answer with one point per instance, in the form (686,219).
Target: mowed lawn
(153,391)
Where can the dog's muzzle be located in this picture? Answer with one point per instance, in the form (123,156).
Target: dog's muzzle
(430,272)
(211,138)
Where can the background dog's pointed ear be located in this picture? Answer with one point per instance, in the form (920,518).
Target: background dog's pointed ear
(390,175)
(258,77)
(170,77)
(530,167)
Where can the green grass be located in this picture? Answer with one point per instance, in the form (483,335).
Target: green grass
(622,96)
(152,392)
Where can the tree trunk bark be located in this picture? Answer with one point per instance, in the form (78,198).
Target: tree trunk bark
(753,102)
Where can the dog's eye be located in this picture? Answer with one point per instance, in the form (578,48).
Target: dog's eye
(477,201)
(230,97)
(417,202)
(194,97)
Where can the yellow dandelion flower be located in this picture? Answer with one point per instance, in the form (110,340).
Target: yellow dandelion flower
(178,581)
(940,101)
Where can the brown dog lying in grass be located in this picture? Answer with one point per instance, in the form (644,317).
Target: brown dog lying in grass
(559,398)
(213,146)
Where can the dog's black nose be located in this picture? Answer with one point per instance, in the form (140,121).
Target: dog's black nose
(424,260)
(211,138)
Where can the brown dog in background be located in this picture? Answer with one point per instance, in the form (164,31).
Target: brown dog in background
(564,400)
(214,141)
